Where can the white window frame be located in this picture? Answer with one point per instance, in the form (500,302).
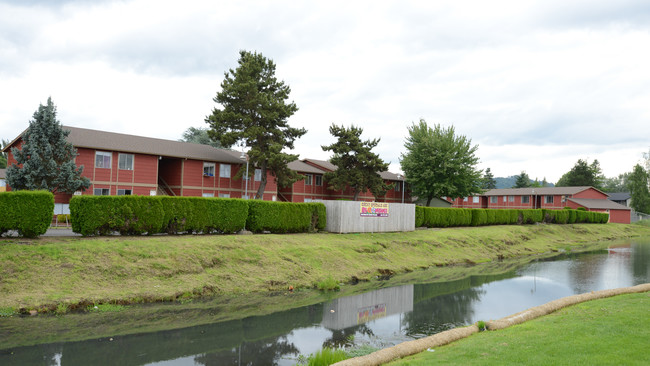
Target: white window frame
(123,192)
(464,199)
(307,200)
(525,199)
(398,186)
(511,198)
(505,198)
(494,199)
(224,195)
(548,199)
(258,175)
(123,161)
(475,199)
(208,169)
(207,195)
(104,154)
(224,170)
(308,179)
(102,191)
(318,179)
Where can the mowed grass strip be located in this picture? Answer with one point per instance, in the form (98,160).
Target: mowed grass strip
(45,272)
(611,331)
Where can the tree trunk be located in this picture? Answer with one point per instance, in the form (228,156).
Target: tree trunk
(260,191)
(356,194)
(429,200)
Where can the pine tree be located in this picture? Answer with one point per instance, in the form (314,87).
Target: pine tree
(3,155)
(45,159)
(638,183)
(522,181)
(254,113)
(357,165)
(488,180)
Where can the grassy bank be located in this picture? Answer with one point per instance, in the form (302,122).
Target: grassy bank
(53,274)
(612,331)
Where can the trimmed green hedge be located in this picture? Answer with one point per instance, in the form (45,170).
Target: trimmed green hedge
(136,215)
(285,217)
(28,212)
(446,217)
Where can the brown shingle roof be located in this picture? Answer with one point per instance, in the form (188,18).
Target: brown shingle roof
(599,204)
(102,140)
(327,166)
(536,191)
(302,167)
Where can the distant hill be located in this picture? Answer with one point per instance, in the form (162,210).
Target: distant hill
(510,181)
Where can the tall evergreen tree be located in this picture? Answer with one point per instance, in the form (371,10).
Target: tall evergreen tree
(254,114)
(488,180)
(437,163)
(638,183)
(522,181)
(3,155)
(46,159)
(357,166)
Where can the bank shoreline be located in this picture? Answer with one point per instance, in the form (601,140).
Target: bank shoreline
(57,275)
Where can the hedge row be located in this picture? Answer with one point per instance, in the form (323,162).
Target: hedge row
(446,217)
(28,212)
(285,217)
(135,215)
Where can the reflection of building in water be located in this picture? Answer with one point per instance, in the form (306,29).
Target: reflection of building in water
(353,310)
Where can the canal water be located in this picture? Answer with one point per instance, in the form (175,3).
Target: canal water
(379,318)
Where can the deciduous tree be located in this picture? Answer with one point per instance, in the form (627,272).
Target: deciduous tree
(46,159)
(583,174)
(437,163)
(357,166)
(199,136)
(638,183)
(254,112)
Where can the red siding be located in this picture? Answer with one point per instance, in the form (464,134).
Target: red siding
(591,193)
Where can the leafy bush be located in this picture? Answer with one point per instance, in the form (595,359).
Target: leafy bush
(324,357)
(203,215)
(446,217)
(28,212)
(285,217)
(530,216)
(479,217)
(419,216)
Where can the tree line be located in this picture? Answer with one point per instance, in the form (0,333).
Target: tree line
(252,111)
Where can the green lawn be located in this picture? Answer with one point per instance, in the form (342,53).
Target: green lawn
(612,331)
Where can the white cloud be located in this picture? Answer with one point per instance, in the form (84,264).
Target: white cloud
(536,84)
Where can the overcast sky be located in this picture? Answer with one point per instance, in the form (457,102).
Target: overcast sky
(536,84)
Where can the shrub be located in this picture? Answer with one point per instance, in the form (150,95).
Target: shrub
(285,217)
(128,215)
(479,217)
(419,216)
(101,215)
(530,216)
(326,356)
(28,212)
(203,215)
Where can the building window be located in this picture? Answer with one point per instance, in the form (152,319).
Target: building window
(123,192)
(258,175)
(511,198)
(494,199)
(319,180)
(308,200)
(505,198)
(224,195)
(525,199)
(224,170)
(101,191)
(125,161)
(207,195)
(398,186)
(308,178)
(464,199)
(548,199)
(208,169)
(102,159)
(475,199)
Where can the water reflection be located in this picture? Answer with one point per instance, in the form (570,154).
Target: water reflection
(380,318)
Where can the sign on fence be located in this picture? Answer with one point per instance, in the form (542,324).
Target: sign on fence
(374,209)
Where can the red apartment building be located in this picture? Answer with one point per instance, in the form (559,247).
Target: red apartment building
(121,164)
(590,198)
